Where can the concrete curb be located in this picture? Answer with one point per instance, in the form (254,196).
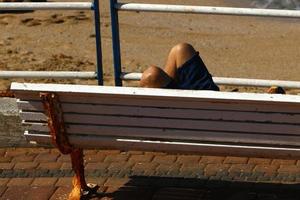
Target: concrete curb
(11,131)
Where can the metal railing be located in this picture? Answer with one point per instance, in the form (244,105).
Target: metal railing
(94,6)
(115,7)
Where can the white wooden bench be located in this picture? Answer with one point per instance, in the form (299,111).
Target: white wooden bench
(206,122)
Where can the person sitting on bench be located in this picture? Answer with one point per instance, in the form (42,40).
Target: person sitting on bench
(184,70)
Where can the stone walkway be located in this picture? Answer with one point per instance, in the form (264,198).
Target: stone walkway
(42,173)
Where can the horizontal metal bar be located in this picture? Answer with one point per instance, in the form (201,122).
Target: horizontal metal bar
(48,74)
(47,6)
(207,10)
(232,81)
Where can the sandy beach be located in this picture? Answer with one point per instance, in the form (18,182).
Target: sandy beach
(231,46)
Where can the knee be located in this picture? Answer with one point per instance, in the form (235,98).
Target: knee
(153,77)
(183,48)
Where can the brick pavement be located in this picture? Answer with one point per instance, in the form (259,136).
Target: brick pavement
(42,173)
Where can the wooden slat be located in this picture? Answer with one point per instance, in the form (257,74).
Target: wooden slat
(30,105)
(188,148)
(153,93)
(38,138)
(192,103)
(228,126)
(163,134)
(33,116)
(168,112)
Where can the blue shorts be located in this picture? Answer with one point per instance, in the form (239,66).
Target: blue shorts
(193,75)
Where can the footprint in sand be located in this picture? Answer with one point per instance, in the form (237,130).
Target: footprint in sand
(80,16)
(31,22)
(56,19)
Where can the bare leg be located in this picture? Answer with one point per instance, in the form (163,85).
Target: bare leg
(155,77)
(178,55)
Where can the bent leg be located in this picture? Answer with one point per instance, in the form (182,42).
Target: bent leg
(178,55)
(154,77)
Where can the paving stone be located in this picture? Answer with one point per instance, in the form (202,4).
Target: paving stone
(188,159)
(192,166)
(2,190)
(289,168)
(213,169)
(2,151)
(5,159)
(25,165)
(109,152)
(145,166)
(117,166)
(116,158)
(164,169)
(97,166)
(16,192)
(23,158)
(50,165)
(155,153)
(44,181)
(54,151)
(40,193)
(3,181)
(36,151)
(212,159)
(259,161)
(6,165)
(164,159)
(12,152)
(19,182)
(265,168)
(116,182)
(61,193)
(140,158)
(94,158)
(191,170)
(64,158)
(235,160)
(66,165)
(46,157)
(64,181)
(283,162)
(241,168)
(135,152)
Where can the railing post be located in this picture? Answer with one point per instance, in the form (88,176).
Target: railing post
(116,42)
(98,42)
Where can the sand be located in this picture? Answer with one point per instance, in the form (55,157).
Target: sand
(231,46)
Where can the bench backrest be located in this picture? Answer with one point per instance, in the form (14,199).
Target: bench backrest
(168,120)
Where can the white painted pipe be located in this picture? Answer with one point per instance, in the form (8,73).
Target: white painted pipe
(48,74)
(232,81)
(207,10)
(47,6)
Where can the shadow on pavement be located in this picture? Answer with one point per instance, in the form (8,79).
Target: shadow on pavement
(158,188)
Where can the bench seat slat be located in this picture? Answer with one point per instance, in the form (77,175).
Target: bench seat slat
(182,121)
(152,93)
(168,112)
(213,125)
(188,148)
(163,134)
(278,107)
